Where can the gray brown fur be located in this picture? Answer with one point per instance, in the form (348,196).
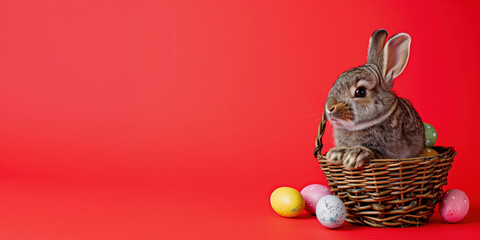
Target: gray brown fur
(380,123)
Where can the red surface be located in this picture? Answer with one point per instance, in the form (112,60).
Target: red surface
(177,119)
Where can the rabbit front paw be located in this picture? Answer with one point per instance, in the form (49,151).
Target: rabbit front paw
(336,154)
(351,157)
(356,156)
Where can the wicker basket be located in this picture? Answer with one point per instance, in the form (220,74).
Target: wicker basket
(389,192)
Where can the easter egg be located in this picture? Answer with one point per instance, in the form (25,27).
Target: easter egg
(287,202)
(454,205)
(311,194)
(428,152)
(430,135)
(331,212)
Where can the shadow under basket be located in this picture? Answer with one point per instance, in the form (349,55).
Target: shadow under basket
(389,192)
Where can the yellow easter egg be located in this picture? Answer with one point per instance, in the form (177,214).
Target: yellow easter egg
(287,202)
(428,152)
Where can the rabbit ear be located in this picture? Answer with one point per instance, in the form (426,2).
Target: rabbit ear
(375,46)
(395,57)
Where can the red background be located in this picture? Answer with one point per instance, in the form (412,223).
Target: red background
(177,119)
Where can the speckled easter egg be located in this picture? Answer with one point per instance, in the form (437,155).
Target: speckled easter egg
(311,194)
(430,135)
(428,152)
(454,205)
(287,202)
(331,212)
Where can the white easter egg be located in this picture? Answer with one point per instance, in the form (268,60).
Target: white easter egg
(331,212)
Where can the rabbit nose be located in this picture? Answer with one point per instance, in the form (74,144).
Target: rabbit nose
(331,105)
(332,108)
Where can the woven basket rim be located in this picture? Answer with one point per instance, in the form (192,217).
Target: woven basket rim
(445,151)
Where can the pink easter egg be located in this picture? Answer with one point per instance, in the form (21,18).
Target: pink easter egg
(454,205)
(312,193)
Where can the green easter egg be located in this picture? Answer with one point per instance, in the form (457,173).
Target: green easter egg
(430,135)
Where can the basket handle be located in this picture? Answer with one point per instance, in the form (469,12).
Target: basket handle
(318,142)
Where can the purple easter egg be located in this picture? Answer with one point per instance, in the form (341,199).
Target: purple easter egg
(454,205)
(312,193)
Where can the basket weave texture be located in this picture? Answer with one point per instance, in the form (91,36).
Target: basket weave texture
(391,192)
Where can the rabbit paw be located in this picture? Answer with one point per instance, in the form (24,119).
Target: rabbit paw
(355,157)
(336,154)
(351,157)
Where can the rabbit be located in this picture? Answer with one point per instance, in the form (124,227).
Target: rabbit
(368,119)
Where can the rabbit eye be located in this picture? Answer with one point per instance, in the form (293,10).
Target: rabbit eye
(360,92)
